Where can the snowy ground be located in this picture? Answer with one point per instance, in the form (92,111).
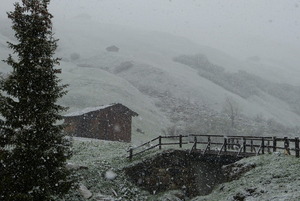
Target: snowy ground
(275,177)
(99,170)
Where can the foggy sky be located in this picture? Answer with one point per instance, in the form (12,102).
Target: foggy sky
(242,28)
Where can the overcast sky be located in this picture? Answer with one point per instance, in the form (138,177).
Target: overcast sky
(239,27)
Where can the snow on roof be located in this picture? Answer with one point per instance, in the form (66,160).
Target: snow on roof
(86,110)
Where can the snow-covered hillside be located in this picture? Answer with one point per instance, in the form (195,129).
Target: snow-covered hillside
(151,67)
(143,72)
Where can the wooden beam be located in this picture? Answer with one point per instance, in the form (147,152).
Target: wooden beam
(297,147)
(274,144)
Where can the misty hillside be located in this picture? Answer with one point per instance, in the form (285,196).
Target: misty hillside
(242,83)
(158,76)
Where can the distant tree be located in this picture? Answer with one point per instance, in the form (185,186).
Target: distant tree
(232,110)
(33,149)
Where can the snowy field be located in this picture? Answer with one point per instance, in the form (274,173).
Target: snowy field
(99,164)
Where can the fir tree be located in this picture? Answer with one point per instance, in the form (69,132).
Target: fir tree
(33,149)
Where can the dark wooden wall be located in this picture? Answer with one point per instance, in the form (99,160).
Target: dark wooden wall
(107,124)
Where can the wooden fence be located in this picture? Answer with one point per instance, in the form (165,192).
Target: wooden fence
(240,146)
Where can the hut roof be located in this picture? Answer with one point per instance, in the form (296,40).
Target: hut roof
(93,109)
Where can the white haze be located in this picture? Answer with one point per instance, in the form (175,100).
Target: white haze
(265,28)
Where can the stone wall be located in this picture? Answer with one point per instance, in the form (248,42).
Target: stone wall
(193,174)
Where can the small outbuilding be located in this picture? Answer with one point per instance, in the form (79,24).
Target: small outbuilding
(110,122)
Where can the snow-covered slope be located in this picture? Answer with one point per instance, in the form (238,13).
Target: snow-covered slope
(142,72)
(275,177)
(275,70)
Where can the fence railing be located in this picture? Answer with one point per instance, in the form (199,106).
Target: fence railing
(240,146)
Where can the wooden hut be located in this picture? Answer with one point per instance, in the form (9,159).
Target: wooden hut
(110,122)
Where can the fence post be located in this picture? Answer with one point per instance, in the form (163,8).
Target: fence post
(195,142)
(287,146)
(159,142)
(262,145)
(225,144)
(297,147)
(251,146)
(244,145)
(180,141)
(130,153)
(274,144)
(208,143)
